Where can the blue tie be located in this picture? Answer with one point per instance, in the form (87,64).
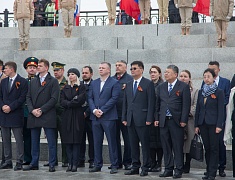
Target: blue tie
(135,87)
(168,113)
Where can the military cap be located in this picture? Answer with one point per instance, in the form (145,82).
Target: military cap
(30,61)
(57,66)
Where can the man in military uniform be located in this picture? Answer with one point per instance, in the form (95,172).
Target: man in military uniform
(58,69)
(30,65)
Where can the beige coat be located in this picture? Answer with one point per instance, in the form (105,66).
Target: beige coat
(67,4)
(23,9)
(220,9)
(185,3)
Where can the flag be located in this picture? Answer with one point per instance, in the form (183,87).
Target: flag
(202,7)
(77,12)
(57,4)
(131,7)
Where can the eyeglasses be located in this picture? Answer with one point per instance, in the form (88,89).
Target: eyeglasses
(134,68)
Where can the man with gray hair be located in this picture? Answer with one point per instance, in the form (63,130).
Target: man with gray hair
(171,115)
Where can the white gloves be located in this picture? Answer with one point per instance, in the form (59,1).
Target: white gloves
(228,18)
(193,4)
(31,22)
(176,5)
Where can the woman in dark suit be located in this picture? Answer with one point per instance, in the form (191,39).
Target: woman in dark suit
(208,120)
(72,98)
(155,142)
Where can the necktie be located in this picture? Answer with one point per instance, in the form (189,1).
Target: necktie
(168,113)
(135,87)
(118,77)
(9,84)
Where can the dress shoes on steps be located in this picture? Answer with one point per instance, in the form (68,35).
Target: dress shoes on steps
(18,166)
(6,166)
(132,172)
(177,175)
(52,169)
(208,178)
(30,167)
(166,174)
(74,169)
(95,169)
(113,170)
(144,173)
(69,168)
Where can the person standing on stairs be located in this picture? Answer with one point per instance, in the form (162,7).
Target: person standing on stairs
(111,6)
(144,6)
(221,12)
(163,10)
(24,15)
(185,9)
(67,7)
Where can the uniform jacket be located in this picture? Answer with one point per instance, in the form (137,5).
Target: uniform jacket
(185,3)
(123,81)
(67,4)
(212,112)
(139,107)
(44,97)
(178,102)
(15,99)
(72,99)
(105,100)
(221,9)
(23,9)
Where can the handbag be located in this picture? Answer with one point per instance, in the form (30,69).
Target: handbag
(196,148)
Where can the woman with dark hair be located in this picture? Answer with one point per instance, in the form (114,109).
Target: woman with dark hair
(209,120)
(155,142)
(72,97)
(185,76)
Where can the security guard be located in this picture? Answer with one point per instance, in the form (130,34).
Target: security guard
(30,65)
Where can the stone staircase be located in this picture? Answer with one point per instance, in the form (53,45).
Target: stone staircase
(153,44)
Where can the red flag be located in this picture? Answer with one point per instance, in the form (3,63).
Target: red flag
(131,7)
(56,4)
(202,7)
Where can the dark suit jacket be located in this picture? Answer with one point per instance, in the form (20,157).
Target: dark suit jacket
(212,112)
(178,102)
(15,99)
(44,97)
(86,108)
(140,107)
(105,100)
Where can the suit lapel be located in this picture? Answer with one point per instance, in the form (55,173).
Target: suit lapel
(141,84)
(105,85)
(13,86)
(174,88)
(47,81)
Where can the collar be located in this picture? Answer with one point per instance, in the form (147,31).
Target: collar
(173,84)
(217,80)
(138,80)
(13,78)
(43,76)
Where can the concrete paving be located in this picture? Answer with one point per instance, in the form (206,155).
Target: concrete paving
(83,173)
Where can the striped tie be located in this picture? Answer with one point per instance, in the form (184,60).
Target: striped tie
(168,113)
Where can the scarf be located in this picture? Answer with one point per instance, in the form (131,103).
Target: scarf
(207,90)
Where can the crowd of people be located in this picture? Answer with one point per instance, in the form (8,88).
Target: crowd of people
(162,116)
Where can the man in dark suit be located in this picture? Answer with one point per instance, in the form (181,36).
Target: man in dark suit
(87,73)
(102,98)
(223,84)
(172,111)
(13,92)
(137,115)
(41,99)
(123,77)
(30,65)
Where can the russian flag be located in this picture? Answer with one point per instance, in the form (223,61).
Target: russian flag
(131,7)
(77,12)
(202,7)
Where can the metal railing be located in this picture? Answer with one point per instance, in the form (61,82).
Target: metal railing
(90,18)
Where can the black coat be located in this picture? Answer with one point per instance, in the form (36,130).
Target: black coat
(72,99)
(44,97)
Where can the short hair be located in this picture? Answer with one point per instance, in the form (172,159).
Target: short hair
(12,65)
(214,63)
(174,68)
(109,65)
(210,71)
(139,63)
(90,69)
(46,62)
(122,61)
(158,69)
(1,62)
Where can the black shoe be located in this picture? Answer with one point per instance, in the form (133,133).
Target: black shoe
(127,167)
(52,169)
(91,165)
(166,174)
(144,173)
(2,162)
(18,166)
(64,164)
(177,175)
(208,178)
(119,167)
(222,173)
(46,164)
(30,167)
(95,169)
(186,168)
(74,169)
(205,177)
(6,166)
(26,163)
(81,164)
(113,171)
(69,168)
(132,172)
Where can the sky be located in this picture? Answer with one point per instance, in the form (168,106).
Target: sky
(91,5)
